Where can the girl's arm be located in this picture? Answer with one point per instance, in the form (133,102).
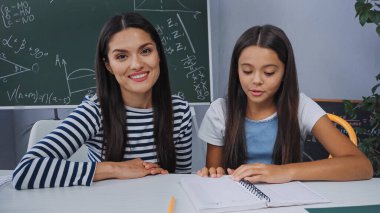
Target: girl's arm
(348,162)
(213,166)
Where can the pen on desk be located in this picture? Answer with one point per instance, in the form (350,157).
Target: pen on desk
(171,205)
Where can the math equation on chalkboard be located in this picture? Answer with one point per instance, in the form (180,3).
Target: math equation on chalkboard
(47,48)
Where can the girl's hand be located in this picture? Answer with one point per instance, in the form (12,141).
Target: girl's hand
(260,172)
(211,172)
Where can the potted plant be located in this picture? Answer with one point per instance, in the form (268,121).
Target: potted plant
(369,139)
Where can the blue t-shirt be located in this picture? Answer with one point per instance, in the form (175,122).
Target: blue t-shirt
(260,139)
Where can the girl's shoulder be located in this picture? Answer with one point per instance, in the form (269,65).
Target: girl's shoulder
(219,104)
(218,108)
(303,97)
(309,112)
(305,100)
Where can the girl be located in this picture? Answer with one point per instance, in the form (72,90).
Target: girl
(255,132)
(132,127)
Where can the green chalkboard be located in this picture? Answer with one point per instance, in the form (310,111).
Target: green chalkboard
(47,48)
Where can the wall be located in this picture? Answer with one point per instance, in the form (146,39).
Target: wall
(7,145)
(335,56)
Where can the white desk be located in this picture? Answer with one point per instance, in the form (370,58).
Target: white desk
(152,194)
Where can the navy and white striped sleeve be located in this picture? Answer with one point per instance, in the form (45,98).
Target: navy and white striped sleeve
(45,164)
(183,133)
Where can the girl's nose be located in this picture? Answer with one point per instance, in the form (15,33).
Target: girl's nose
(257,78)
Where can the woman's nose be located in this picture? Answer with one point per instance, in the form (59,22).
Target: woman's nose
(136,63)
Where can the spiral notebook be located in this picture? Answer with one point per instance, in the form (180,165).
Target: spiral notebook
(224,194)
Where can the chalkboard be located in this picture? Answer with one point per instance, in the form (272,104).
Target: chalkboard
(47,48)
(313,150)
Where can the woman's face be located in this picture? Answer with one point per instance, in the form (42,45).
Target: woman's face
(260,74)
(134,61)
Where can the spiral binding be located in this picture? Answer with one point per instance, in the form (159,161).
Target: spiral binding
(254,190)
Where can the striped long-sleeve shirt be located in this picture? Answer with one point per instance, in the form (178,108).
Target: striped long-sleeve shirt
(46,164)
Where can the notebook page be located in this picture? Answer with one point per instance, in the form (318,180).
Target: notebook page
(219,194)
(292,193)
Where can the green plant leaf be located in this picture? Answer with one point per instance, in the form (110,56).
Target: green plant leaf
(378,77)
(371,16)
(377,17)
(359,7)
(374,88)
(378,30)
(374,16)
(361,130)
(363,17)
(349,109)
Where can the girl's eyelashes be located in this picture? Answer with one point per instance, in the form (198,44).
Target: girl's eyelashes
(268,73)
(247,71)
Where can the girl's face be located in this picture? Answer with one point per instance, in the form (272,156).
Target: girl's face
(134,61)
(260,74)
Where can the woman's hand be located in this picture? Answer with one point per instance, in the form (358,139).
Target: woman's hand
(260,172)
(211,172)
(154,168)
(135,168)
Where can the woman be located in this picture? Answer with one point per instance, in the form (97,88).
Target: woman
(256,132)
(132,127)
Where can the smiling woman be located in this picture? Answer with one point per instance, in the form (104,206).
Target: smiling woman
(133,126)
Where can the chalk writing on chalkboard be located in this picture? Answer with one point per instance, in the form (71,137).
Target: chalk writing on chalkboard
(47,47)
(16,14)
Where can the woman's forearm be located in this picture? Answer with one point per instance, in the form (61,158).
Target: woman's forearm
(105,170)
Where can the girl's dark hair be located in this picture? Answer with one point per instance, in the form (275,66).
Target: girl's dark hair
(112,106)
(287,148)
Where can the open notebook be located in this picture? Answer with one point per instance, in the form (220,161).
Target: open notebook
(224,194)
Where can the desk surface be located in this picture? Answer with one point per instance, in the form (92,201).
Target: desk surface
(152,194)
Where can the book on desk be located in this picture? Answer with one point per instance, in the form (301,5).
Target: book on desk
(224,194)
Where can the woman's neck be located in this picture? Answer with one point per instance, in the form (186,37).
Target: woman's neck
(140,101)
